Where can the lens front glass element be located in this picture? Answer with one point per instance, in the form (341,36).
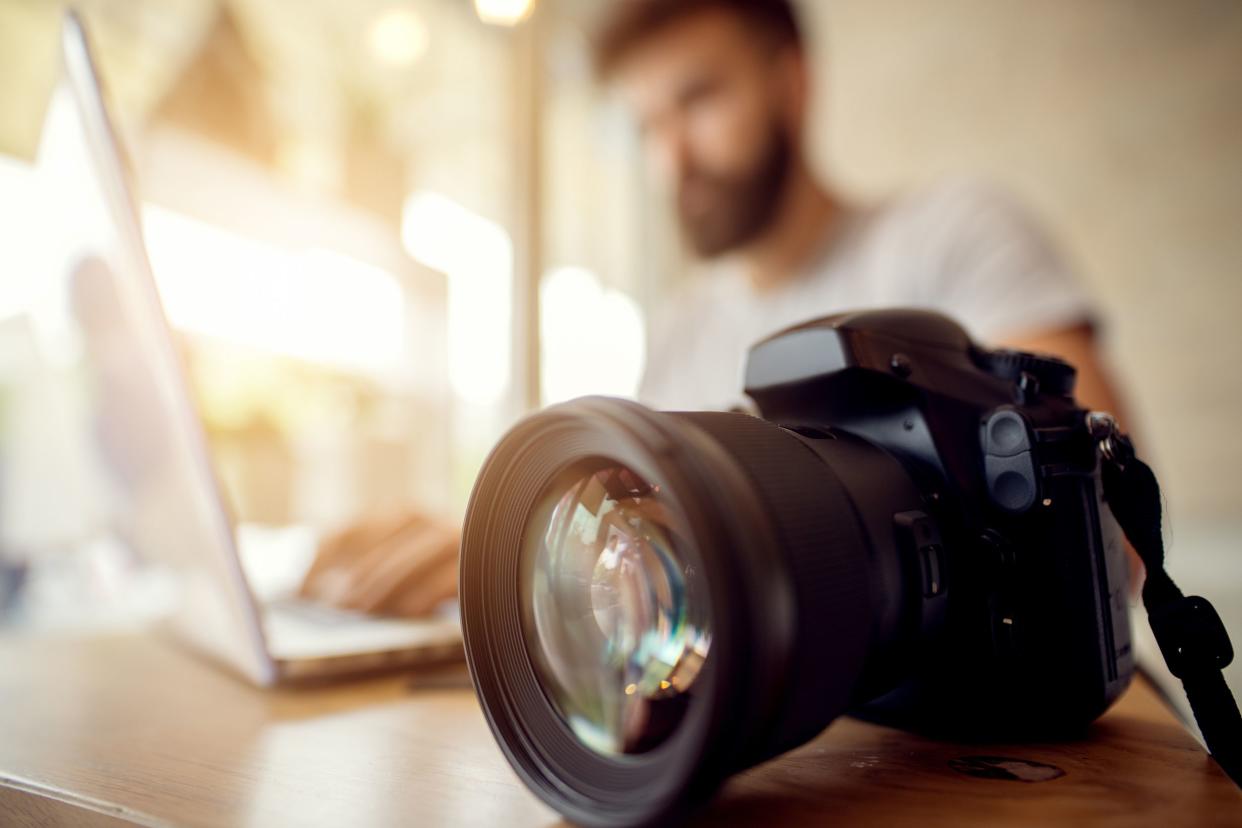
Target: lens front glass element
(617,621)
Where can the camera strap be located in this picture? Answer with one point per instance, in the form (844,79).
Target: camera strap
(1187,628)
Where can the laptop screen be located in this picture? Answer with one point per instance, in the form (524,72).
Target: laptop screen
(115,452)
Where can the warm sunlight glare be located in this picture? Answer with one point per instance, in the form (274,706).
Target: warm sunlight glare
(593,339)
(313,304)
(476,255)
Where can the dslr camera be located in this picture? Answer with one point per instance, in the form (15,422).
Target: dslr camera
(913,531)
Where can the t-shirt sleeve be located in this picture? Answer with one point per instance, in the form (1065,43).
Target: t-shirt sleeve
(670,334)
(998,272)
(661,334)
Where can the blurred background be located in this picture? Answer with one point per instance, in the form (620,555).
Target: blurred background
(384,229)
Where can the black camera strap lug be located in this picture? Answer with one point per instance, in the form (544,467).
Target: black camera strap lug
(1192,639)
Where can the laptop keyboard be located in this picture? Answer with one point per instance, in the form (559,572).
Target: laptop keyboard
(312,612)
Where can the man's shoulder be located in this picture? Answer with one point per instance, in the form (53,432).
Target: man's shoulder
(941,225)
(946,203)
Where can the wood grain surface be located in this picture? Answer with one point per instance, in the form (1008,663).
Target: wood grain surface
(132,729)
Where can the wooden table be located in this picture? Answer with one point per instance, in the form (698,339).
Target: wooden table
(131,729)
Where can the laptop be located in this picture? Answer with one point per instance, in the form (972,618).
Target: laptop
(153,444)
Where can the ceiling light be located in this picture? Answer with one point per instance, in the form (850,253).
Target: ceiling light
(503,12)
(398,37)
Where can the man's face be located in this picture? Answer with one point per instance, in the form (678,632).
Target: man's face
(719,108)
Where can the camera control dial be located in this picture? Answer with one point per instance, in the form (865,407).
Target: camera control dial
(1055,376)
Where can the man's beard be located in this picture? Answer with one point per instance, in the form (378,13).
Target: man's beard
(734,209)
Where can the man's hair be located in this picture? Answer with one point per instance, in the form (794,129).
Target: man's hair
(629,22)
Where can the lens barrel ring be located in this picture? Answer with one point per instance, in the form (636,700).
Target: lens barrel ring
(825,549)
(587,786)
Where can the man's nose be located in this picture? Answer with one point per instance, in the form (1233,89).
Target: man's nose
(671,155)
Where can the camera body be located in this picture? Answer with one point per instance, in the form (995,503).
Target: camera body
(1019,621)
(914,531)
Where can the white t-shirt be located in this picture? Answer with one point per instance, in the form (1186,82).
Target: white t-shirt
(961,249)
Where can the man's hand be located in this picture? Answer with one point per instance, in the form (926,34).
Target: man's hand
(403,564)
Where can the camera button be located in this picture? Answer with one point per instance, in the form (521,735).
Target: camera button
(1006,434)
(933,581)
(1008,462)
(1012,482)
(918,534)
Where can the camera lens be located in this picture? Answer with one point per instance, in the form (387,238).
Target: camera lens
(617,621)
(652,601)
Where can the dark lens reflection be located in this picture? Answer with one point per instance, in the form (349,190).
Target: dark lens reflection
(618,617)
